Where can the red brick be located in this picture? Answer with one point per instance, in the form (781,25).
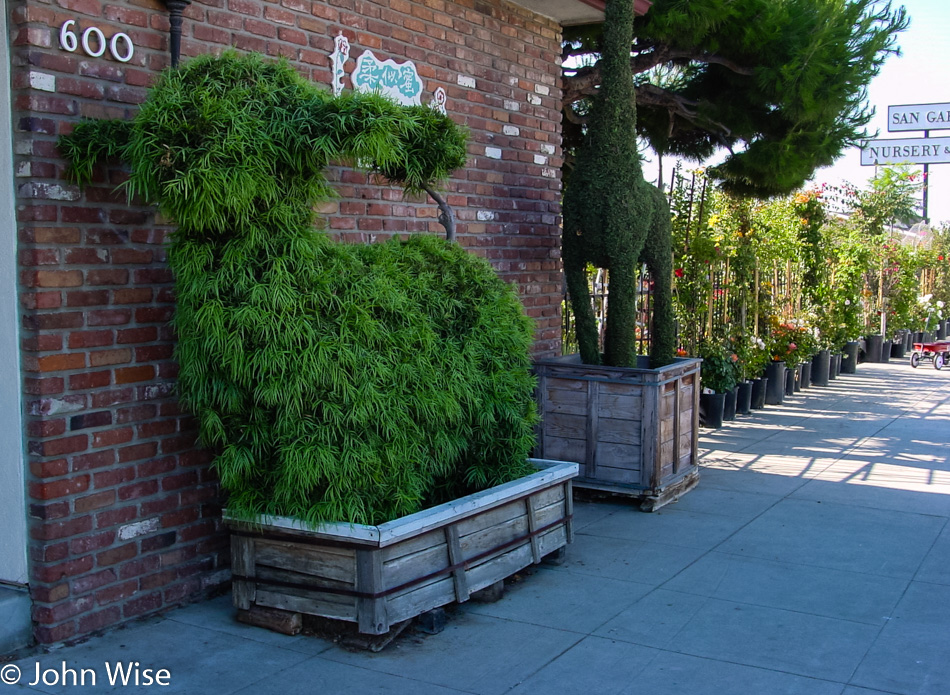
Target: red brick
(103,399)
(128,375)
(49,469)
(86,256)
(152,353)
(41,300)
(89,380)
(92,502)
(87,339)
(59,488)
(92,581)
(114,476)
(56,633)
(60,363)
(61,529)
(100,419)
(100,619)
(138,413)
(43,343)
(112,276)
(109,317)
(46,428)
(116,592)
(136,256)
(136,490)
(145,334)
(111,517)
(82,298)
(144,604)
(88,544)
(136,568)
(53,278)
(160,506)
(132,295)
(112,437)
(59,447)
(116,555)
(105,358)
(53,322)
(176,482)
(96,459)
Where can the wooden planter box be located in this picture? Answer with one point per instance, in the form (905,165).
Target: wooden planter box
(633,431)
(377,576)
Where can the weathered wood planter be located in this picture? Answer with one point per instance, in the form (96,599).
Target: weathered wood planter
(633,431)
(377,576)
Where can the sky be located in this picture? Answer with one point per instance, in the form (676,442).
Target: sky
(920,75)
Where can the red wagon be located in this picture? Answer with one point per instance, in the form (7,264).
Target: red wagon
(938,353)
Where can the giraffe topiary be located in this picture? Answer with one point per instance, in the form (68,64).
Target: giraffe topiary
(613,218)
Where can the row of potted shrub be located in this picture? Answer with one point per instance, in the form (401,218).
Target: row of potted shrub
(739,377)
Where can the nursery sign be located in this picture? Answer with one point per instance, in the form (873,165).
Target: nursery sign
(918,117)
(906,151)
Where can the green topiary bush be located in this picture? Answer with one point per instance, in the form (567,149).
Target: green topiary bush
(334,382)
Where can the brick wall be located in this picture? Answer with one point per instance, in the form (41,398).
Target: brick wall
(124,510)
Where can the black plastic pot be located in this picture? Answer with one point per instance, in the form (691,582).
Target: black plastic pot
(759,387)
(897,348)
(820,368)
(849,361)
(834,366)
(790,378)
(744,397)
(775,393)
(941,330)
(729,406)
(710,409)
(873,349)
(804,374)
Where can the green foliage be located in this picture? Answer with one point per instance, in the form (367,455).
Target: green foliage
(352,382)
(334,382)
(613,218)
(782,85)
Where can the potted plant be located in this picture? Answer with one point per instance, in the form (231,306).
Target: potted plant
(631,423)
(718,382)
(370,407)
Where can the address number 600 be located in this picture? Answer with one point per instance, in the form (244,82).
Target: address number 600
(94,42)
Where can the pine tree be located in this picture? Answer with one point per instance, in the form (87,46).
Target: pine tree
(781,85)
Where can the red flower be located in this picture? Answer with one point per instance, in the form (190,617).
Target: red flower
(939,258)
(679,271)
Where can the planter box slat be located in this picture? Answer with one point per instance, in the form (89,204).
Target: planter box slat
(308,602)
(377,576)
(616,431)
(640,429)
(333,567)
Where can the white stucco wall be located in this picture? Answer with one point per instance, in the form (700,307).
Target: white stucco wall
(13,566)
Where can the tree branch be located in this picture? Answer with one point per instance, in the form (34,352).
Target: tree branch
(446,215)
(583,82)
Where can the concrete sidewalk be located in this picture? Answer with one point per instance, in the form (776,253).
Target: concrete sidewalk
(813,558)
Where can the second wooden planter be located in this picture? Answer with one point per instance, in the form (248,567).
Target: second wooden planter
(633,431)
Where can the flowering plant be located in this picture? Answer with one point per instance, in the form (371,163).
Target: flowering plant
(753,356)
(720,369)
(791,342)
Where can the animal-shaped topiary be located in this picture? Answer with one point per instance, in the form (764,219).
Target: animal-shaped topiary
(334,382)
(614,219)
